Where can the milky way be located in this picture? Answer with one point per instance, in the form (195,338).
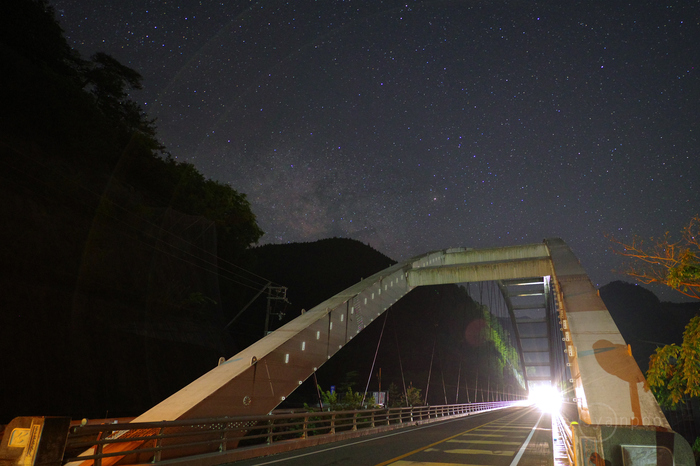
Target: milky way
(415,126)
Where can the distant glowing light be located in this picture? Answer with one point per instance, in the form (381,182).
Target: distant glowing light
(546,398)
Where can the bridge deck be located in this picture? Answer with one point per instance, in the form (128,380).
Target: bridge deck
(507,437)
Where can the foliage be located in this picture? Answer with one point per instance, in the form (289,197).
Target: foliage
(353,400)
(336,401)
(102,255)
(30,28)
(61,99)
(674,371)
(662,260)
(80,113)
(329,399)
(495,333)
(110,82)
(395,396)
(187,190)
(413,396)
(350,379)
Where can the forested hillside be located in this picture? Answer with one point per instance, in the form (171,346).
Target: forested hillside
(110,290)
(645,322)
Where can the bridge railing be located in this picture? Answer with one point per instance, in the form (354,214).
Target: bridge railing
(151,442)
(563,430)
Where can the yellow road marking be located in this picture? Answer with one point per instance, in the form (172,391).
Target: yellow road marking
(488,442)
(509,429)
(516,424)
(400,457)
(423,449)
(423,463)
(506,429)
(428,446)
(467,451)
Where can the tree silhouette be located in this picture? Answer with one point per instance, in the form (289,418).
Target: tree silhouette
(674,371)
(672,263)
(29,27)
(110,82)
(115,245)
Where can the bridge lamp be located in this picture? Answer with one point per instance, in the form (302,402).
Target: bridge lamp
(546,398)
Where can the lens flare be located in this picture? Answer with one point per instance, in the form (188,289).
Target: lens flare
(546,398)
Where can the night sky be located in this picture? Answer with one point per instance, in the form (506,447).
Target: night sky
(414,126)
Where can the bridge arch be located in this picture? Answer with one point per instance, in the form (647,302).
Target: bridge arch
(609,386)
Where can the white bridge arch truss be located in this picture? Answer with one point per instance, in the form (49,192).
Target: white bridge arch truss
(609,386)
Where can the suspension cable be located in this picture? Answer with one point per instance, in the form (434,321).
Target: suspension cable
(386,316)
(442,376)
(430,371)
(459,375)
(403,380)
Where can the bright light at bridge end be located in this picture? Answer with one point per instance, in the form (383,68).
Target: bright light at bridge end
(546,398)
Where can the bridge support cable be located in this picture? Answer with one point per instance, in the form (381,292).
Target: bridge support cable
(442,378)
(459,375)
(488,353)
(376,352)
(403,379)
(430,371)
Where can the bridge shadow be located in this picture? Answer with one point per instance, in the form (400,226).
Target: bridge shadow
(617,360)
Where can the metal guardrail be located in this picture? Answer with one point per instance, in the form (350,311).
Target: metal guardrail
(566,436)
(152,442)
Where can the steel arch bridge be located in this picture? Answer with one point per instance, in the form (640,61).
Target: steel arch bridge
(555,311)
(609,386)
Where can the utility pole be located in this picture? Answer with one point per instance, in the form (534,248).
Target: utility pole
(277,293)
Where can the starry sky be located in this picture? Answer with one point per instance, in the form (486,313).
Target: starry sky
(422,125)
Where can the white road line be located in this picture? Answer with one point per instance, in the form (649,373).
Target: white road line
(527,441)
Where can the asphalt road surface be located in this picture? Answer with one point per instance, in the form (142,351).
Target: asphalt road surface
(505,437)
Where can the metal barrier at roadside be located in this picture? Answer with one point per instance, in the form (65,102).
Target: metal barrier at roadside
(562,426)
(138,443)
